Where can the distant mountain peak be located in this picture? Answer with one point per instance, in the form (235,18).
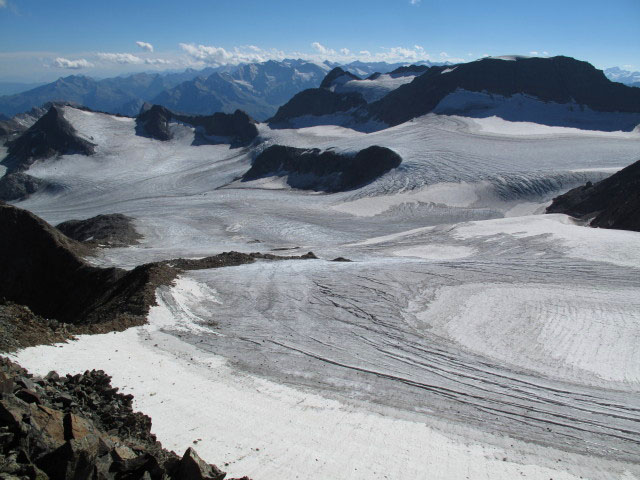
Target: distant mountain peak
(51,135)
(337,75)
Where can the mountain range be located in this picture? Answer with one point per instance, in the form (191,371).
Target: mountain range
(617,74)
(257,88)
(556,91)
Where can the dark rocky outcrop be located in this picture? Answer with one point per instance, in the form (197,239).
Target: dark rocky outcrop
(153,122)
(324,171)
(316,102)
(21,328)
(557,79)
(339,75)
(51,135)
(42,269)
(409,70)
(80,427)
(11,127)
(18,186)
(237,128)
(611,203)
(110,230)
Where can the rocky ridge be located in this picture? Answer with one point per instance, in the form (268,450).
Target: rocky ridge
(611,203)
(109,230)
(237,128)
(19,185)
(561,80)
(326,171)
(51,135)
(80,427)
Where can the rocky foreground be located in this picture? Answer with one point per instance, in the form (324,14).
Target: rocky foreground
(80,427)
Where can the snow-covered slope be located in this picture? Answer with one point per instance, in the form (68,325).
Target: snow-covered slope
(467,338)
(373,89)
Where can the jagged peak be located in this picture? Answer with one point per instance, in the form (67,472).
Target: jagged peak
(335,74)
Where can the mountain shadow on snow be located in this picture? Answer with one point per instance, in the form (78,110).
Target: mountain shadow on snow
(323,171)
(237,129)
(611,203)
(50,136)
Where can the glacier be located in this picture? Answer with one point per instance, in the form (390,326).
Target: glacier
(469,337)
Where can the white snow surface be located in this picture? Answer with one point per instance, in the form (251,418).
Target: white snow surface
(525,110)
(374,89)
(469,338)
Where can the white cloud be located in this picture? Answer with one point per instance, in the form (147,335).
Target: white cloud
(157,61)
(61,62)
(534,54)
(415,2)
(121,58)
(145,46)
(212,55)
(318,47)
(3,3)
(202,55)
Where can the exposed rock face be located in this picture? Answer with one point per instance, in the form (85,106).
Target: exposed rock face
(80,427)
(153,122)
(237,128)
(558,79)
(10,127)
(21,328)
(110,230)
(42,269)
(317,102)
(409,70)
(51,135)
(611,203)
(323,171)
(18,186)
(337,75)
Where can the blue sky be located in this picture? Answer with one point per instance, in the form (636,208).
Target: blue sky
(44,39)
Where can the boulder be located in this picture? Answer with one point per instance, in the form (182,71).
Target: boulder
(192,467)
